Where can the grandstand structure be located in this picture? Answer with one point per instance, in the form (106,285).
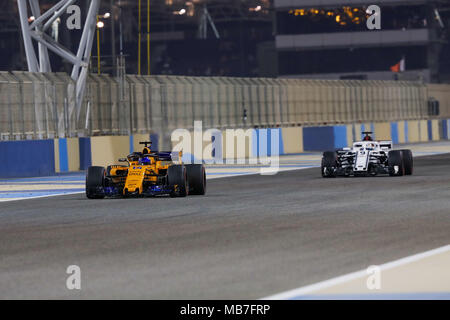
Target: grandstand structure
(173,28)
(330,40)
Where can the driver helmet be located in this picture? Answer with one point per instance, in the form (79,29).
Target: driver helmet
(368,138)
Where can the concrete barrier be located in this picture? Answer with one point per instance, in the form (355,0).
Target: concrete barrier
(423,130)
(394,132)
(350,134)
(67,155)
(27,158)
(265,142)
(234,140)
(292,139)
(407,131)
(85,153)
(383,131)
(413,129)
(53,156)
(318,138)
(325,138)
(108,149)
(434,134)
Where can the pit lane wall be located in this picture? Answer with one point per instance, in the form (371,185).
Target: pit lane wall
(29,158)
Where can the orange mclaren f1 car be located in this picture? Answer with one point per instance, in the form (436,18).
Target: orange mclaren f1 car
(147,173)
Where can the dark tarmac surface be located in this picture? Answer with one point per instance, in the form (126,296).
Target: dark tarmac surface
(249,237)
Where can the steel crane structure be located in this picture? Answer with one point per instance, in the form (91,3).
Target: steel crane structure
(36,29)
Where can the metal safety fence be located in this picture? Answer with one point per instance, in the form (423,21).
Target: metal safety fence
(41,105)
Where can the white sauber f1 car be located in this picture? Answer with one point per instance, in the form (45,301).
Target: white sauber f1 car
(367,158)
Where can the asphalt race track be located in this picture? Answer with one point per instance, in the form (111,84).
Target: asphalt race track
(250,237)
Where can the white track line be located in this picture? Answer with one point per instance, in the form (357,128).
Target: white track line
(44,196)
(297,293)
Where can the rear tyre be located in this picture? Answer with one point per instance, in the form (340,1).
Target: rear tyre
(196,177)
(395,163)
(95,182)
(329,164)
(408,161)
(177,178)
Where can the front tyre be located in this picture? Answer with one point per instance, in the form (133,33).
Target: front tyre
(408,161)
(177,179)
(329,164)
(95,182)
(395,163)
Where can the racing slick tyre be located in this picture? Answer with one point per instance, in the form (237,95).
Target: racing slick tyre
(196,177)
(395,159)
(177,178)
(329,164)
(408,161)
(95,180)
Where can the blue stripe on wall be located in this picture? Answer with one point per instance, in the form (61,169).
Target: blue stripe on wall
(274,135)
(27,158)
(63,155)
(131,141)
(85,153)
(280,141)
(255,143)
(406,131)
(445,129)
(262,142)
(318,138)
(394,132)
(340,136)
(430,130)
